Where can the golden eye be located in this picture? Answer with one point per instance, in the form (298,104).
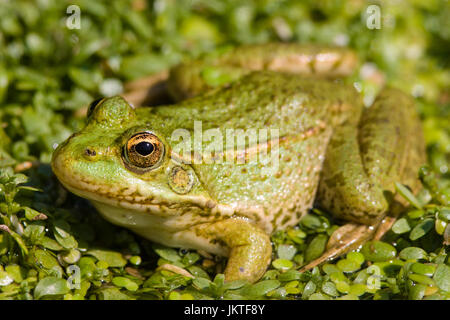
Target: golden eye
(144,150)
(93,105)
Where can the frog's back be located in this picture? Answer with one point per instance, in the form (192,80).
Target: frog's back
(286,122)
(267,99)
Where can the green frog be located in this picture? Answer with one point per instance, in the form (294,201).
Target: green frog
(254,138)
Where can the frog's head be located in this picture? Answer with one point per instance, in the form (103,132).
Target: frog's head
(122,159)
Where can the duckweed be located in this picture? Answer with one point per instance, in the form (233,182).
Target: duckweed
(342,286)
(419,278)
(293,291)
(415,214)
(262,288)
(347,265)
(136,260)
(421,229)
(282,264)
(358,289)
(417,292)
(442,277)
(413,253)
(378,251)
(111,258)
(50,286)
(406,193)
(45,85)
(440,226)
(318,296)
(338,277)
(5,278)
(444,214)
(357,257)
(424,269)
(401,226)
(286,252)
(316,247)
(330,268)
(309,289)
(126,283)
(330,289)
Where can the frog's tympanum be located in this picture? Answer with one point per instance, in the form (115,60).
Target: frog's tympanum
(332,152)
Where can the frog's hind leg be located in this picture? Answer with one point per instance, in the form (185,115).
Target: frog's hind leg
(197,76)
(348,237)
(361,168)
(352,235)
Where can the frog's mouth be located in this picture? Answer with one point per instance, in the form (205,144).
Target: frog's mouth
(156,204)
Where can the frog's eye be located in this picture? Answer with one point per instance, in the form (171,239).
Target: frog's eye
(144,150)
(93,105)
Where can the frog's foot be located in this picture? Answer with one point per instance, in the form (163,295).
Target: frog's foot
(385,225)
(249,247)
(348,237)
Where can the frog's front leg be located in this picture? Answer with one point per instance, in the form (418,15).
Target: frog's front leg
(361,167)
(249,247)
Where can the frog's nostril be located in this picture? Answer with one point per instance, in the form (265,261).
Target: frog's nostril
(90,152)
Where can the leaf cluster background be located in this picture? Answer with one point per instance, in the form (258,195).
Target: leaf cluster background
(49,73)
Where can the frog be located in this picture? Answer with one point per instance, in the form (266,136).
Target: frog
(317,145)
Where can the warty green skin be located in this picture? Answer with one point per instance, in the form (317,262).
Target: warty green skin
(332,152)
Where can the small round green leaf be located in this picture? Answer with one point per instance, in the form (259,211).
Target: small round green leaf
(50,286)
(378,251)
(421,229)
(413,253)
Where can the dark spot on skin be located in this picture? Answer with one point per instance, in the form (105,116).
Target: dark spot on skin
(90,152)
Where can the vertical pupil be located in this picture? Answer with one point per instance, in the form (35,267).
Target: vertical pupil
(144,148)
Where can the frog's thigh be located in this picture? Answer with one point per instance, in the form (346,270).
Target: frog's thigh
(361,166)
(345,190)
(249,247)
(391,141)
(392,148)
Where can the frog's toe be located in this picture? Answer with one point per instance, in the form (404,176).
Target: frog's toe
(348,237)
